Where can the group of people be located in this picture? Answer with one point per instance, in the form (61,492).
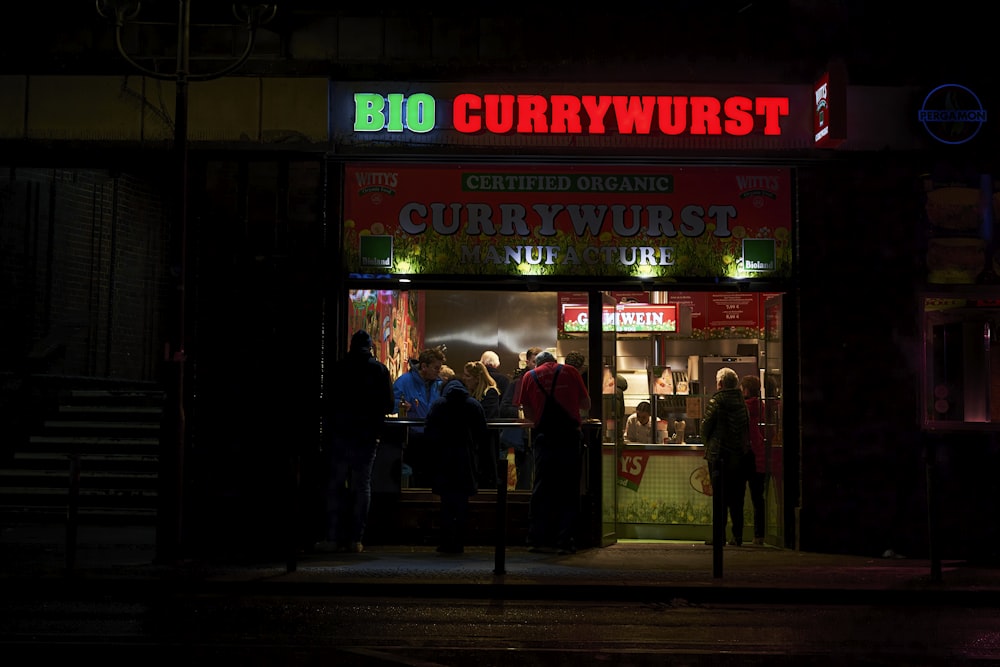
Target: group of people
(732,429)
(451,450)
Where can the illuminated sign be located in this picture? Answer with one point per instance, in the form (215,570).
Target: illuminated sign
(532,114)
(830,107)
(625,317)
(635,221)
(822,117)
(952,114)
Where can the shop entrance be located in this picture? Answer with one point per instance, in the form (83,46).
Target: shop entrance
(647,484)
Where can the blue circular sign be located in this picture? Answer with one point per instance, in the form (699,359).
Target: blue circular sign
(952,114)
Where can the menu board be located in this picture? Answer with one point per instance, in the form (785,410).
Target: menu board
(732,309)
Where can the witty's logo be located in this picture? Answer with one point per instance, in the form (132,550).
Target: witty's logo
(375,251)
(631,468)
(952,114)
(758,188)
(377,183)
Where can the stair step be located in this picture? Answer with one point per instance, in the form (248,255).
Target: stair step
(117,411)
(90,425)
(94,440)
(85,458)
(59,479)
(87,515)
(114,430)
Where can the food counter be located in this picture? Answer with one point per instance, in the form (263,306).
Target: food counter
(662,491)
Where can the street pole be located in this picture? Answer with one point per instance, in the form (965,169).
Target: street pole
(174,428)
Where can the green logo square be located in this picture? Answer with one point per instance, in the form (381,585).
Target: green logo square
(759,255)
(375,251)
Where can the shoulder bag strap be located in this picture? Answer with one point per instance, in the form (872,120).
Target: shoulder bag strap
(552,389)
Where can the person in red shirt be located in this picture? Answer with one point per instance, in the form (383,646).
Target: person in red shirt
(553,395)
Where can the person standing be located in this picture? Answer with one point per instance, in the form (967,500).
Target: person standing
(358,418)
(414,391)
(481,386)
(756,477)
(639,425)
(517,438)
(726,430)
(553,395)
(455,431)
(491,360)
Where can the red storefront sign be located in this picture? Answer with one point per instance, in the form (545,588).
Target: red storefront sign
(567,220)
(623,318)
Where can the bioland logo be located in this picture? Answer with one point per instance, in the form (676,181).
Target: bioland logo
(759,255)
(952,114)
(376,251)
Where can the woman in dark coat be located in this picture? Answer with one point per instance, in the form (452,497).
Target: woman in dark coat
(455,430)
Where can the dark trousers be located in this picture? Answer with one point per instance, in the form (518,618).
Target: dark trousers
(349,495)
(555,494)
(454,517)
(734,486)
(756,481)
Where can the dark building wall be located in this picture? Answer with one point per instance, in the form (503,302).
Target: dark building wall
(863,486)
(84,258)
(258,225)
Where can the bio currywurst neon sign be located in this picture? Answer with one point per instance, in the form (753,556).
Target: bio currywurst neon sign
(573,114)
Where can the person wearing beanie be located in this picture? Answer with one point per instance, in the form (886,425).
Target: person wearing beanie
(456,432)
(356,423)
(553,395)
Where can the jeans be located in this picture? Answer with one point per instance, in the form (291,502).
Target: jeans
(349,495)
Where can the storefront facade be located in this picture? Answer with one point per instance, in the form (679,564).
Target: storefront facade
(568,216)
(688,260)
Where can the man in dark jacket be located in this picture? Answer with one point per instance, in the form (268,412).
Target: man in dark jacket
(357,420)
(456,432)
(726,430)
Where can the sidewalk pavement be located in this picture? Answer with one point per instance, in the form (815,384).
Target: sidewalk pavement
(123,559)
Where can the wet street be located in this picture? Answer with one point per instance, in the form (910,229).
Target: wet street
(202,629)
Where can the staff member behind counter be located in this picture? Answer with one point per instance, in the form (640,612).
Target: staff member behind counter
(639,426)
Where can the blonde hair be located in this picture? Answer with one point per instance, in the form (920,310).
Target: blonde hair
(727,378)
(446,373)
(481,378)
(490,359)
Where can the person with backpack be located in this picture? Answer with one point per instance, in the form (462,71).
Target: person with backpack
(553,395)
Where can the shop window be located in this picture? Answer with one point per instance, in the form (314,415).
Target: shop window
(961,384)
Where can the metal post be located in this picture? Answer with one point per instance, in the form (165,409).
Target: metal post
(930,455)
(176,441)
(174,432)
(500,552)
(718,518)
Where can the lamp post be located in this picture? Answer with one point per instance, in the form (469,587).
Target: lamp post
(174,431)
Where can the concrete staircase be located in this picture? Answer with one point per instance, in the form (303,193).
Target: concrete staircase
(101,442)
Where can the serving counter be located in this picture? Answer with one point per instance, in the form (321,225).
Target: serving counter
(661,491)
